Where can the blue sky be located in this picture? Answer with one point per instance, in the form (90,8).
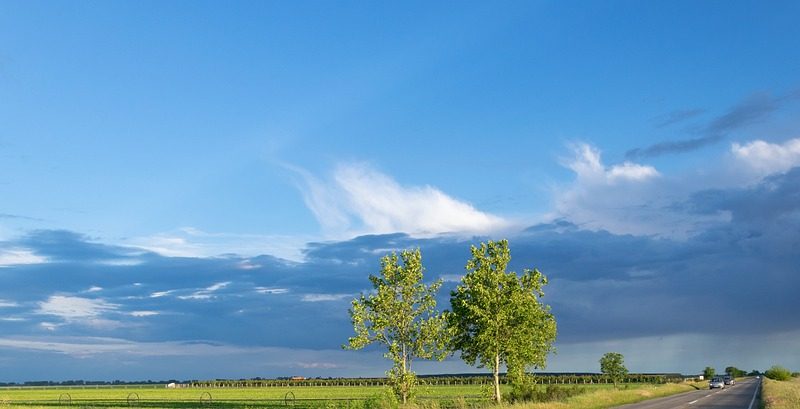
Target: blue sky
(197,190)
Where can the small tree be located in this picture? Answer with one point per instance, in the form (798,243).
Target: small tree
(734,371)
(497,317)
(778,373)
(613,365)
(401,315)
(709,372)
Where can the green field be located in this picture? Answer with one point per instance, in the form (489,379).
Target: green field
(324,396)
(327,397)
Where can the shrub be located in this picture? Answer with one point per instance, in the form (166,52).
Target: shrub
(778,373)
(385,400)
(795,374)
(529,392)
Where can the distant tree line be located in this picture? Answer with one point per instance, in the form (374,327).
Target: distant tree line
(542,379)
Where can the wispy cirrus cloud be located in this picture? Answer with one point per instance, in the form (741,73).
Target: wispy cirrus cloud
(361,199)
(205,293)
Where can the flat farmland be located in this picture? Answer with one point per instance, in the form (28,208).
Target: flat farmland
(310,397)
(305,396)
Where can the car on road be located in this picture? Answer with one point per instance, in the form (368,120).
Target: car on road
(728,380)
(716,383)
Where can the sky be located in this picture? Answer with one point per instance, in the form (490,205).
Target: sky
(197,190)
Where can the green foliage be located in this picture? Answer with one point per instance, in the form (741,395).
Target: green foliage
(778,373)
(613,365)
(529,392)
(385,400)
(497,318)
(709,372)
(795,374)
(735,372)
(401,315)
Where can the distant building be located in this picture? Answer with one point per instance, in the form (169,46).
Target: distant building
(172,385)
(298,378)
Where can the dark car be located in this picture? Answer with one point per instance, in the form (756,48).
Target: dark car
(729,380)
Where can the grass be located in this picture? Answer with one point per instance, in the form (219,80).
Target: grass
(600,398)
(780,394)
(320,397)
(218,398)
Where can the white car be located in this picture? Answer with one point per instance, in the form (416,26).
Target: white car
(716,383)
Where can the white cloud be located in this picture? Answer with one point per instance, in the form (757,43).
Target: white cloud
(94,289)
(49,326)
(144,313)
(766,158)
(361,198)
(317,365)
(589,168)
(206,293)
(78,310)
(75,308)
(217,286)
(627,198)
(159,294)
(323,297)
(451,278)
(6,303)
(195,296)
(17,256)
(247,265)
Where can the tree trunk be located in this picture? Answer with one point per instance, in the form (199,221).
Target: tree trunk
(496,373)
(403,377)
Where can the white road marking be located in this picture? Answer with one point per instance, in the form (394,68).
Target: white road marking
(752,401)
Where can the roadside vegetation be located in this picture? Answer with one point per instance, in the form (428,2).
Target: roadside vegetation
(780,394)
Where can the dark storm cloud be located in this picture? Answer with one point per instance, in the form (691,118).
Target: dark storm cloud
(753,109)
(604,286)
(65,246)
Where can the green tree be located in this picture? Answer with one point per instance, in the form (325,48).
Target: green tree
(778,373)
(613,365)
(401,314)
(709,372)
(734,371)
(497,318)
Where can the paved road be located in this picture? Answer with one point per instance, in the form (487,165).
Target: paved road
(739,396)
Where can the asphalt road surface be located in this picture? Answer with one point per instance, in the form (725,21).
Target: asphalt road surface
(739,396)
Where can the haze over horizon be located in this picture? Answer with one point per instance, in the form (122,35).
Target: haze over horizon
(194,191)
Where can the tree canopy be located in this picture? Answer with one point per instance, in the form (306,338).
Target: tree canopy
(401,315)
(497,318)
(613,365)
